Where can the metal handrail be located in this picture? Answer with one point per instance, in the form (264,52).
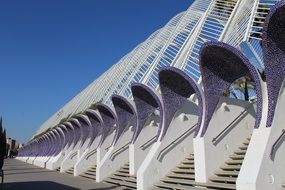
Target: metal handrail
(229,125)
(173,142)
(120,149)
(275,145)
(108,147)
(72,155)
(148,142)
(90,154)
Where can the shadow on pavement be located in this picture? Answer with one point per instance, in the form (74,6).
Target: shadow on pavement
(13,173)
(41,185)
(14,169)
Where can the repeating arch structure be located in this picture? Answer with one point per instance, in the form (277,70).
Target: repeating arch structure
(51,150)
(178,44)
(77,130)
(273,44)
(54,138)
(125,112)
(176,86)
(61,131)
(64,131)
(85,127)
(71,134)
(44,144)
(222,64)
(146,101)
(48,150)
(109,118)
(270,139)
(96,123)
(57,143)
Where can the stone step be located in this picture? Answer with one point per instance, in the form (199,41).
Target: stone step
(122,170)
(69,172)
(178,181)
(240,152)
(92,170)
(230,167)
(223,179)
(226,173)
(129,184)
(125,167)
(122,178)
(183,171)
(121,182)
(237,157)
(217,185)
(162,185)
(181,176)
(90,173)
(121,174)
(247,139)
(131,179)
(187,162)
(243,147)
(184,166)
(227,176)
(190,158)
(113,181)
(234,162)
(85,175)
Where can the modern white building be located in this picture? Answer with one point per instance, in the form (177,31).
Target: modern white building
(236,22)
(198,105)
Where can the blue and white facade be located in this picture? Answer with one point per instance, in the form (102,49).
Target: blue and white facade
(178,94)
(237,22)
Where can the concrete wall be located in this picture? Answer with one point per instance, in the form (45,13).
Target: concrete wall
(227,111)
(165,155)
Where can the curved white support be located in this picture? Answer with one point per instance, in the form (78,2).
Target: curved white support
(55,162)
(103,150)
(259,171)
(83,148)
(41,161)
(70,158)
(88,158)
(175,146)
(141,147)
(219,150)
(115,158)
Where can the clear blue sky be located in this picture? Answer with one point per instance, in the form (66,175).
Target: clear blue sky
(52,49)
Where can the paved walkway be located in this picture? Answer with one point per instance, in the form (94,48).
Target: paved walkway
(23,176)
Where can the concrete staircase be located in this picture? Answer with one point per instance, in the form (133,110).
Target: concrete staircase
(90,173)
(226,176)
(123,179)
(70,171)
(182,177)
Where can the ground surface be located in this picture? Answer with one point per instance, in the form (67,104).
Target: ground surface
(23,176)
